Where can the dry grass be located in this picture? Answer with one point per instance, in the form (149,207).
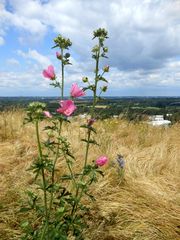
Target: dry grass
(143,206)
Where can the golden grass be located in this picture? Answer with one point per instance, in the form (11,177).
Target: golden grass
(142,206)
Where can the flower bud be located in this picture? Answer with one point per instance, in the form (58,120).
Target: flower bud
(58,55)
(67,55)
(85,79)
(91,121)
(106,69)
(104,88)
(101,38)
(101,161)
(95,48)
(47,114)
(105,49)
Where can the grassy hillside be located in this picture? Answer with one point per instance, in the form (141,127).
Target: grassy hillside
(144,205)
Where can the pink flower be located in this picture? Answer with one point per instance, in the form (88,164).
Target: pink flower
(49,73)
(76,91)
(47,114)
(101,161)
(58,55)
(67,107)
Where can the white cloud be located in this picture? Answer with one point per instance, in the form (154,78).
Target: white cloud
(144,43)
(13,62)
(1,40)
(143,34)
(167,76)
(33,54)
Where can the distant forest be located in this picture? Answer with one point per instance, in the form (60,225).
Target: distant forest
(130,108)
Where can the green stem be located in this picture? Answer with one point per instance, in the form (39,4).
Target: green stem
(85,163)
(89,132)
(62,73)
(70,170)
(87,149)
(96,81)
(54,165)
(59,131)
(43,178)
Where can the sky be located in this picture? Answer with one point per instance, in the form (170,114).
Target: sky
(144,45)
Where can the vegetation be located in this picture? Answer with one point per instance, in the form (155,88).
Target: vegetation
(130,108)
(144,204)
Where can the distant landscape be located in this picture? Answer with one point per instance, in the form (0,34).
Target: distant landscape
(129,108)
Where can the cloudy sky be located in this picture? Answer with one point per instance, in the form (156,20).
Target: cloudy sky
(144,44)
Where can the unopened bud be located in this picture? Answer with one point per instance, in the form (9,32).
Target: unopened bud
(58,55)
(67,55)
(91,121)
(85,79)
(105,49)
(104,88)
(95,48)
(106,69)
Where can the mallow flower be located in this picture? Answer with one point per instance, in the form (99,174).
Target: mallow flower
(49,72)
(67,107)
(101,161)
(76,91)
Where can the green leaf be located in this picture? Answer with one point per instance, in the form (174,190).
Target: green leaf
(81,184)
(103,79)
(88,127)
(61,209)
(24,209)
(90,141)
(55,46)
(66,177)
(25,224)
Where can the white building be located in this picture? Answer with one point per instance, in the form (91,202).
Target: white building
(158,120)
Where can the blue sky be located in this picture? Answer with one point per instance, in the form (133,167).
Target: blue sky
(144,44)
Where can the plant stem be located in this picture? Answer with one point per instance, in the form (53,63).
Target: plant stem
(62,73)
(54,165)
(59,130)
(43,178)
(87,148)
(96,81)
(89,131)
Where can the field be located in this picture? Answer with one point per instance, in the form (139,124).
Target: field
(142,205)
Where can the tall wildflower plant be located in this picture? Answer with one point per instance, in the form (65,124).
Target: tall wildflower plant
(56,203)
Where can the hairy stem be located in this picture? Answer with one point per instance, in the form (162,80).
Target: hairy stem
(89,131)
(62,74)
(59,131)
(54,165)
(43,179)
(96,80)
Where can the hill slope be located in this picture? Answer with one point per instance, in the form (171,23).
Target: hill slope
(142,205)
